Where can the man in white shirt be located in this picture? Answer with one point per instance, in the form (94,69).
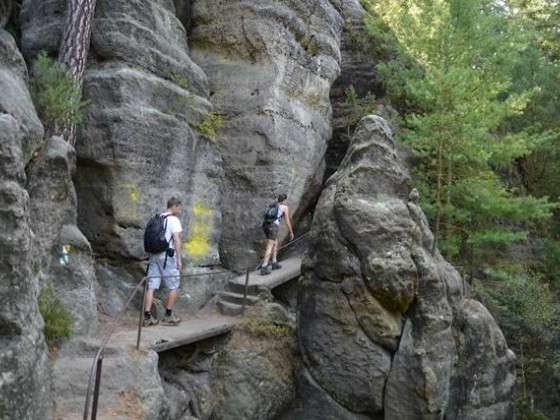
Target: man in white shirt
(167,264)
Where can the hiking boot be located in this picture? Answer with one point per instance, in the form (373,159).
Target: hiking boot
(148,322)
(172,320)
(266,270)
(276,266)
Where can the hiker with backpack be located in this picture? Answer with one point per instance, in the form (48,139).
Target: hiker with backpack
(273,216)
(163,243)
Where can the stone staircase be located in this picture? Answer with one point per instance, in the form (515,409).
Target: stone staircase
(230,301)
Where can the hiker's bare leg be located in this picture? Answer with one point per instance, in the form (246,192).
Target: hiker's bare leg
(148,299)
(170,299)
(269,245)
(274,250)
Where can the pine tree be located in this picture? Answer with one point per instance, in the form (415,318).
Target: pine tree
(456,108)
(74,49)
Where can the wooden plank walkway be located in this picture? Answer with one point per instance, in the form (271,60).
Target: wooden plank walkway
(162,337)
(291,269)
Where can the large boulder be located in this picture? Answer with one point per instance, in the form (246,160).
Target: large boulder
(385,327)
(131,387)
(247,375)
(135,146)
(24,381)
(270,66)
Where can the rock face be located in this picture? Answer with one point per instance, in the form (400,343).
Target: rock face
(24,381)
(136,147)
(360,54)
(270,66)
(131,386)
(384,326)
(245,376)
(63,253)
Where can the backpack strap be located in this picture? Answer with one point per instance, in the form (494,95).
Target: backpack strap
(165,230)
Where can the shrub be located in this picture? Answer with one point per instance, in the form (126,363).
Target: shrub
(525,411)
(357,107)
(56,94)
(209,125)
(58,321)
(264,328)
(180,80)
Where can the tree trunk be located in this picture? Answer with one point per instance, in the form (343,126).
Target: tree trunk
(75,46)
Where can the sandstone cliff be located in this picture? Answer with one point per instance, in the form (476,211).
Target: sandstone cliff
(386,329)
(24,380)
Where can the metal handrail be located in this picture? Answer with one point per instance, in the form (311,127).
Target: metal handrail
(98,359)
(97,365)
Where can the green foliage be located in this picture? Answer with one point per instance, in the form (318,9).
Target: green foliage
(356,107)
(56,94)
(478,82)
(58,321)
(524,411)
(525,299)
(209,125)
(180,80)
(552,261)
(267,329)
(456,107)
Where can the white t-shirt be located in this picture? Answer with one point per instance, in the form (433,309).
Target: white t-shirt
(173,226)
(280,214)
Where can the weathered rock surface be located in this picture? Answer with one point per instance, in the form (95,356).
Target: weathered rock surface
(24,380)
(245,376)
(131,387)
(384,326)
(62,252)
(270,66)
(360,54)
(135,146)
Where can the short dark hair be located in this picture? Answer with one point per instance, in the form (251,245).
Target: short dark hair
(282,197)
(173,201)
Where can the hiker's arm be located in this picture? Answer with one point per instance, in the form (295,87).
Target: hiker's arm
(177,243)
(289,223)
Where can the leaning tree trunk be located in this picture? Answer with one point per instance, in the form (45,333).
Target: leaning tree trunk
(75,46)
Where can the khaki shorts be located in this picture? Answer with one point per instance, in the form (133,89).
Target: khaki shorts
(171,275)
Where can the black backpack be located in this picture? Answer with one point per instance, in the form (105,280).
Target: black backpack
(271,214)
(154,235)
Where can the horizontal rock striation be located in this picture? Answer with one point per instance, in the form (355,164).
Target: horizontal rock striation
(385,327)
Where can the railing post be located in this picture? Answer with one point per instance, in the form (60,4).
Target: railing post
(245,289)
(96,388)
(141,317)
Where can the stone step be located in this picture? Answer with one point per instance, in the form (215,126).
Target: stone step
(238,288)
(230,309)
(237,298)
